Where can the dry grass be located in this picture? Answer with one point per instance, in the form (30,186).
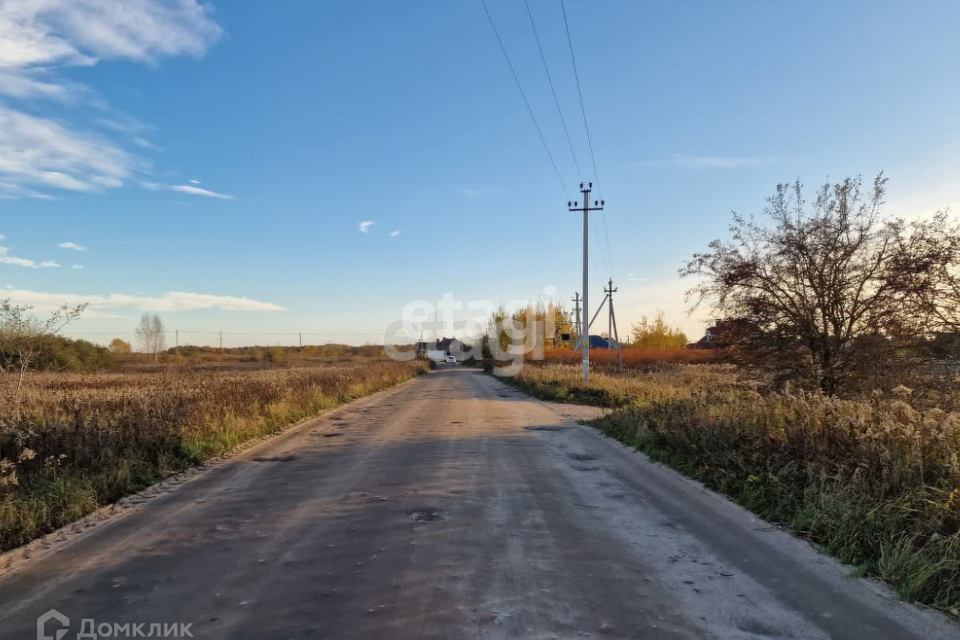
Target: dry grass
(874,481)
(610,388)
(72,442)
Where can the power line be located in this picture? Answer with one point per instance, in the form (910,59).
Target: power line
(583,111)
(556,100)
(586,128)
(524,96)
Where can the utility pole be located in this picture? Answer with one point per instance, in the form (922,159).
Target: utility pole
(221,340)
(612,322)
(177,340)
(301,342)
(576,315)
(586,209)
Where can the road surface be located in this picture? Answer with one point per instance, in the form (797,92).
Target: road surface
(450,507)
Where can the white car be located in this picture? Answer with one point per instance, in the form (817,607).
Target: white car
(451,359)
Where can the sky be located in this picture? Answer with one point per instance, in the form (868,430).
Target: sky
(314,166)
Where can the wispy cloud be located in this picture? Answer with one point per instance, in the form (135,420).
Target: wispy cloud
(38,153)
(395,233)
(195,182)
(197,191)
(72,245)
(184,188)
(78,266)
(171,301)
(39,38)
(143,143)
(713,162)
(632,277)
(6,258)
(365,226)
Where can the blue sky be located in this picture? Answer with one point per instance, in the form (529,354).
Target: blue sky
(119,129)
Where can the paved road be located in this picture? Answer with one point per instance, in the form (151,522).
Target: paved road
(451,507)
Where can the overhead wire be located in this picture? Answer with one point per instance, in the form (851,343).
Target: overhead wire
(553,90)
(523,95)
(536,124)
(586,128)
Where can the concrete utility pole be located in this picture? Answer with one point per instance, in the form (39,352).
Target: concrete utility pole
(576,315)
(221,340)
(586,209)
(612,323)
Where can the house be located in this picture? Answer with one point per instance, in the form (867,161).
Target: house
(599,342)
(449,347)
(708,340)
(723,334)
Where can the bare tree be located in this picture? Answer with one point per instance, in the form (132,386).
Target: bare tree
(152,334)
(22,336)
(826,291)
(929,263)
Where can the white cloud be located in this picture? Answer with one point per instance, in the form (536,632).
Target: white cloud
(171,301)
(72,245)
(37,34)
(197,191)
(632,277)
(395,233)
(6,258)
(712,162)
(27,85)
(365,226)
(195,182)
(78,266)
(36,153)
(184,188)
(37,38)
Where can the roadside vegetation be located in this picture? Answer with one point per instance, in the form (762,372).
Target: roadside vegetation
(71,442)
(827,399)
(874,481)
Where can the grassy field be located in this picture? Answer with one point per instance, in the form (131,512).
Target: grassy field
(874,481)
(72,442)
